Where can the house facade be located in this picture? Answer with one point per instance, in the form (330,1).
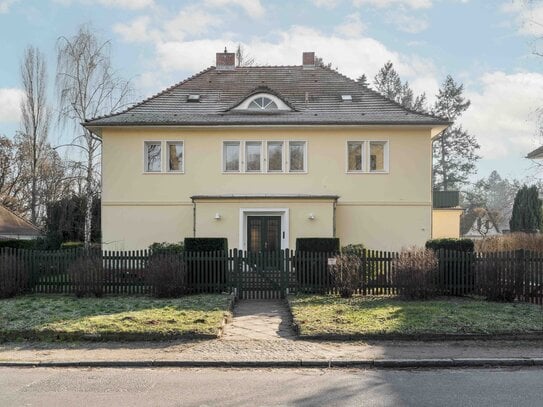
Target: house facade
(265,155)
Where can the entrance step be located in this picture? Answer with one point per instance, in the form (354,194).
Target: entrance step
(260,320)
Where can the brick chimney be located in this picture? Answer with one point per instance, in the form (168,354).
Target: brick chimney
(225,60)
(308,60)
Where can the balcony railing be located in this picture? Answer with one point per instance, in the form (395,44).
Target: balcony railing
(446,199)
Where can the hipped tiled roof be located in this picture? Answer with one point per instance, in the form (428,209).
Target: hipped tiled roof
(313,94)
(13,225)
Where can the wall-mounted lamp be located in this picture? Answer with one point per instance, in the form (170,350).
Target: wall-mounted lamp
(217,216)
(311,216)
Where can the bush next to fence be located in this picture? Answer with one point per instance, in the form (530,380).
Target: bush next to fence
(459,245)
(415,273)
(166,274)
(346,274)
(14,276)
(18,244)
(87,275)
(167,247)
(207,270)
(353,249)
(311,264)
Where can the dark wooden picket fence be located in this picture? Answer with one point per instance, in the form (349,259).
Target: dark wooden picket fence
(507,276)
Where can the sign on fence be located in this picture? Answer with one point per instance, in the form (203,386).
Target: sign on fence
(332,261)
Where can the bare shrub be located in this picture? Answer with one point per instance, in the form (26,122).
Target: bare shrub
(510,242)
(346,274)
(14,276)
(166,274)
(87,275)
(414,273)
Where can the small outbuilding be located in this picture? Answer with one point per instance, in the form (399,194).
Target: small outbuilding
(12,226)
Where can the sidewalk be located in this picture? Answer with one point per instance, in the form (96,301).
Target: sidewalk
(261,332)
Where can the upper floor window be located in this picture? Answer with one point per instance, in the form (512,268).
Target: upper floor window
(231,156)
(367,156)
(253,156)
(175,156)
(155,160)
(153,156)
(296,156)
(264,156)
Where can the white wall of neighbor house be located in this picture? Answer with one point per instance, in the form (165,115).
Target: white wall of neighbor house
(382,210)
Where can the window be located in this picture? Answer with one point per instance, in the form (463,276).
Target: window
(354,152)
(262,103)
(377,156)
(253,156)
(367,156)
(275,156)
(153,155)
(175,156)
(231,156)
(296,156)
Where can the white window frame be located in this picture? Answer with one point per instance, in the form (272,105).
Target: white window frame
(363,157)
(245,160)
(146,156)
(241,164)
(385,169)
(288,170)
(283,160)
(245,212)
(167,159)
(366,157)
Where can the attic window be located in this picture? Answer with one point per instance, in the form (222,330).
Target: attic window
(262,102)
(193,98)
(346,98)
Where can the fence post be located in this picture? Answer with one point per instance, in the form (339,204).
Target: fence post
(519,272)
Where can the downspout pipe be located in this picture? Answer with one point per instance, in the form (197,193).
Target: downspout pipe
(193,217)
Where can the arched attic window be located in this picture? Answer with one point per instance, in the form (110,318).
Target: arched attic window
(264,102)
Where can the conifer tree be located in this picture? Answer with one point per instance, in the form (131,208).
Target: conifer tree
(527,215)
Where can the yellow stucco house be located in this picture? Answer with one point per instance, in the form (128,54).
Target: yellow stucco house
(264,155)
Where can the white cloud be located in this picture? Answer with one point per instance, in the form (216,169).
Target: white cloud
(406,22)
(135,31)
(125,4)
(352,56)
(529,16)
(503,115)
(253,8)
(10,105)
(5,5)
(192,21)
(352,26)
(329,4)
(414,4)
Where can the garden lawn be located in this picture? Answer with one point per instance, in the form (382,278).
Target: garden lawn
(329,316)
(59,317)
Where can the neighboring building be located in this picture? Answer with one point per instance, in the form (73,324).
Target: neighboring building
(446,214)
(536,154)
(264,155)
(484,226)
(13,226)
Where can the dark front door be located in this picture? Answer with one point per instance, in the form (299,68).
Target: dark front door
(263,234)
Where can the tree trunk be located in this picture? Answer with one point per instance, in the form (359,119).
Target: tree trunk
(443,163)
(89,195)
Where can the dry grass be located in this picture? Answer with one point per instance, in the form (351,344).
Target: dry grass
(414,273)
(513,241)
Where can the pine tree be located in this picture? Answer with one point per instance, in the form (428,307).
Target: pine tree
(455,150)
(389,84)
(363,80)
(527,215)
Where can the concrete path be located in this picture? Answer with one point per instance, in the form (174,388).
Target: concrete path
(264,320)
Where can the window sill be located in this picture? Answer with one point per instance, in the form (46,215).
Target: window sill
(164,173)
(366,172)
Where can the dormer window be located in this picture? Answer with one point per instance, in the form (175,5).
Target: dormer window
(263,102)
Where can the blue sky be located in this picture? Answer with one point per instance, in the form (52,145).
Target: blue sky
(487,45)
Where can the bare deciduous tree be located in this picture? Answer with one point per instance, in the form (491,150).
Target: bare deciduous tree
(35,121)
(87,87)
(243,58)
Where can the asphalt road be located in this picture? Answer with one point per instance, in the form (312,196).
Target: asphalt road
(263,387)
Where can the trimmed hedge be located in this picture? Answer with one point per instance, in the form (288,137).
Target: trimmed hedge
(18,244)
(459,245)
(205,244)
(165,247)
(72,245)
(317,244)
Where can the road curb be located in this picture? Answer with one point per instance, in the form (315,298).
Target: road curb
(320,364)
